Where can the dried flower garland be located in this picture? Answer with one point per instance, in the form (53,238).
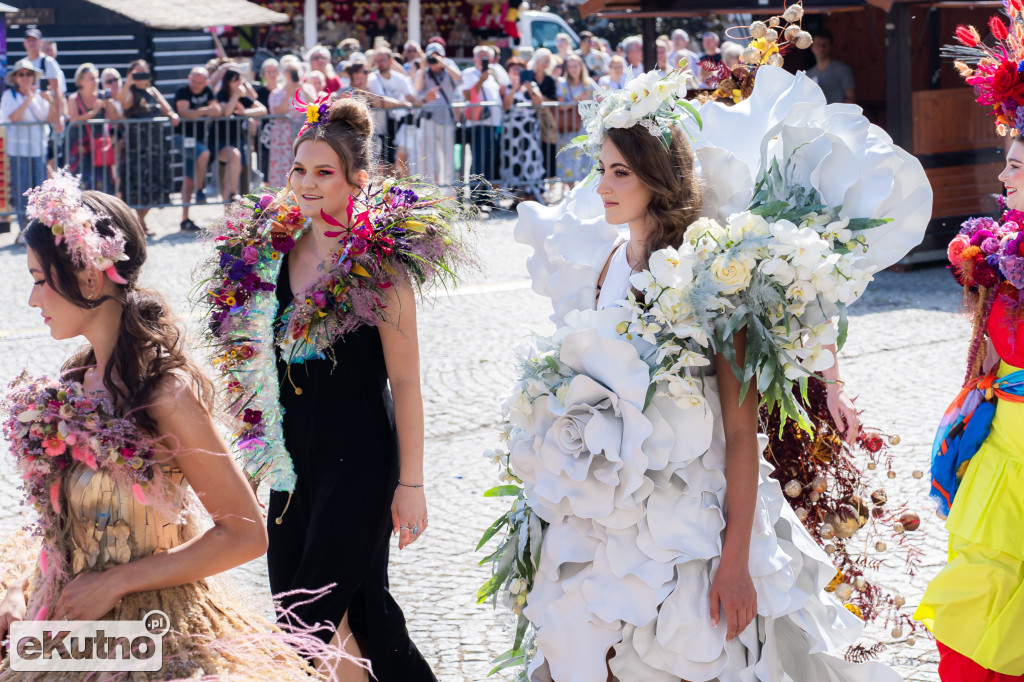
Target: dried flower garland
(398,235)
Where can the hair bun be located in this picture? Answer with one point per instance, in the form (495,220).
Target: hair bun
(353,112)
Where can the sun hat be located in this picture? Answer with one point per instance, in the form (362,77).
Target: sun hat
(22,65)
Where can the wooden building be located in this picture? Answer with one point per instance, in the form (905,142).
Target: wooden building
(903,85)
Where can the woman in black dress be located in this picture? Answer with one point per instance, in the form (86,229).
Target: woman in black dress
(356,445)
(145,153)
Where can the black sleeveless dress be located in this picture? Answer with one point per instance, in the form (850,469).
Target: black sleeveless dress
(341,435)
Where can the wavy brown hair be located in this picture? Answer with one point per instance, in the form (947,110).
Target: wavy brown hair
(150,344)
(669,175)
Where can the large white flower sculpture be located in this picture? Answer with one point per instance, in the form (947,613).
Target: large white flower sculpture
(831,147)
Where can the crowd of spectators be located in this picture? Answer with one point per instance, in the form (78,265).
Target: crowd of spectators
(501,124)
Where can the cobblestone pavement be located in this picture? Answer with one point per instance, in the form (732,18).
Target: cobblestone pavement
(904,358)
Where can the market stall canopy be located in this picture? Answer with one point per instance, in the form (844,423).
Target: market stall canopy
(192,14)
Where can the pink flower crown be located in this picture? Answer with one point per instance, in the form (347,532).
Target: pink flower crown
(57,203)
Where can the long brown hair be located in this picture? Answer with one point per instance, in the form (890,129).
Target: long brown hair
(150,343)
(669,175)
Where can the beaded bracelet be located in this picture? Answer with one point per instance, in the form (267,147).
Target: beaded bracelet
(410,485)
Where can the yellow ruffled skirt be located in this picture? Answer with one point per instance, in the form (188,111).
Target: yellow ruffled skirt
(975,605)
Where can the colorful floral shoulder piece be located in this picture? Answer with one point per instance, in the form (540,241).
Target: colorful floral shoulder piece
(399,235)
(51,424)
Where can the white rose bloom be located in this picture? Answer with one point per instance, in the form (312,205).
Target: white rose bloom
(732,273)
(746,225)
(703,227)
(586,459)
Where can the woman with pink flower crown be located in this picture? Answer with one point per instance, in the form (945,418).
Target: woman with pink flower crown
(137,499)
(706,267)
(975,605)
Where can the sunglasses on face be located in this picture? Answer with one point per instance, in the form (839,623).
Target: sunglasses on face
(23,73)
(110,81)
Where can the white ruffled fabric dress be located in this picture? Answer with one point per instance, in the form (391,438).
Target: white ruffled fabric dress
(635,497)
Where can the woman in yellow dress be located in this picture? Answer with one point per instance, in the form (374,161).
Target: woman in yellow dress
(975,605)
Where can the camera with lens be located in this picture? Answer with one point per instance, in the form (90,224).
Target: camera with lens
(432,59)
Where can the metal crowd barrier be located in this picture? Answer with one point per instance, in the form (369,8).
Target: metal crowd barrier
(146,161)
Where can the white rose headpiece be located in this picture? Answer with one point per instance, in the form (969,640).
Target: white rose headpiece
(656,102)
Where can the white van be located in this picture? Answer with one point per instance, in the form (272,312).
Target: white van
(538,29)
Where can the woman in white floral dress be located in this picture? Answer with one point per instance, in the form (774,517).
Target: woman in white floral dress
(670,554)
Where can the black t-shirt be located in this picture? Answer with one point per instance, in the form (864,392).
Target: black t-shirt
(262,94)
(231,131)
(196,129)
(547,86)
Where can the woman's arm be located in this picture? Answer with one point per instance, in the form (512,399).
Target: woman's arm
(840,407)
(732,590)
(164,106)
(18,112)
(237,536)
(402,358)
(256,110)
(14,604)
(125,96)
(283,106)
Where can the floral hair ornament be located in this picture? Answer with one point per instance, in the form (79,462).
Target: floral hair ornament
(995,72)
(316,112)
(58,204)
(769,40)
(656,102)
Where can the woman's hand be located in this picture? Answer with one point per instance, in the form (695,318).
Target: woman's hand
(732,592)
(843,411)
(12,608)
(89,596)
(409,512)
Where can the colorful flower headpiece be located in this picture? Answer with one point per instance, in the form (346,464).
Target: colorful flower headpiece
(57,203)
(317,113)
(995,72)
(765,49)
(656,102)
